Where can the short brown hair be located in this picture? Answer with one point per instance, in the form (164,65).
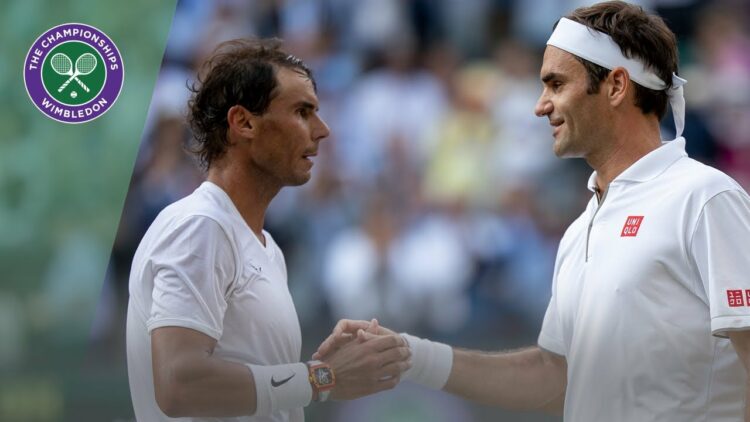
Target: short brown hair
(639,35)
(240,72)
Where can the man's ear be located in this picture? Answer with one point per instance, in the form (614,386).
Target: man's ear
(617,87)
(241,122)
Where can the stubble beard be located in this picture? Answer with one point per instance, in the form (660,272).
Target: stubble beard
(565,147)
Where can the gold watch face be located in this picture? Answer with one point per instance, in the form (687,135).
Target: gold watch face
(323,376)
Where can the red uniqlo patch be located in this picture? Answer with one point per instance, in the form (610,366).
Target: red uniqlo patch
(734,297)
(747,297)
(632,224)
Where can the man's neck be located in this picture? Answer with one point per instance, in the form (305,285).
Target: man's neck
(628,146)
(250,193)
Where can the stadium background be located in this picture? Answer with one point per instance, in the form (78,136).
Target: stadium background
(436,205)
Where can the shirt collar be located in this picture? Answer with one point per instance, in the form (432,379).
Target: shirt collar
(650,165)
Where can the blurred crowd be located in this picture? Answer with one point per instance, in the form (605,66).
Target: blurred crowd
(436,205)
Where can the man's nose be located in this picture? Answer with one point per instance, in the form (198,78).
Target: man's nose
(322,130)
(543,106)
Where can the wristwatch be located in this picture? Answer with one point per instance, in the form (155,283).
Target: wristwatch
(322,378)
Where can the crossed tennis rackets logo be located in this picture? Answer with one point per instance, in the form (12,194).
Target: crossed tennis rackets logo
(73,52)
(62,65)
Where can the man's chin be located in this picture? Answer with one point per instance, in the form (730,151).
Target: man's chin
(300,180)
(563,150)
(559,149)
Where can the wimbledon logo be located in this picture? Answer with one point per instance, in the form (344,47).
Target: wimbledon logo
(73,73)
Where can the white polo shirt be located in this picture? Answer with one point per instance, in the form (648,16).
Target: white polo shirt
(641,283)
(200,266)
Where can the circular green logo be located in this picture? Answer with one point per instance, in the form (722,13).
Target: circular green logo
(73,73)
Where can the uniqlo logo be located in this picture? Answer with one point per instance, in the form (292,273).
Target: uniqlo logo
(632,224)
(734,297)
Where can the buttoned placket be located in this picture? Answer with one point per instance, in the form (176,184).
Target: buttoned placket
(644,169)
(600,203)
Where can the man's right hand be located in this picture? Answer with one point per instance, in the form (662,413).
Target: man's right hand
(345,331)
(365,362)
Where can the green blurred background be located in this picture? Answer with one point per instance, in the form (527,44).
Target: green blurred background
(61,193)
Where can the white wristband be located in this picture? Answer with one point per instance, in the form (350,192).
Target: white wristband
(280,387)
(431,362)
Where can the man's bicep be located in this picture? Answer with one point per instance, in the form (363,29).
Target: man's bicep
(558,368)
(176,341)
(741,343)
(172,350)
(556,360)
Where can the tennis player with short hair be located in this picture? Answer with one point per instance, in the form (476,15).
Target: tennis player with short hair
(650,307)
(212,332)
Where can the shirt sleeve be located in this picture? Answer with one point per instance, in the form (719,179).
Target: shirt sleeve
(720,248)
(194,269)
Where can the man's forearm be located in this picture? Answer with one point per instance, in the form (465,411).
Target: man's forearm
(206,387)
(528,379)
(190,381)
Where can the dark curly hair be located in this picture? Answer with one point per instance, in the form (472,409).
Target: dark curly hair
(639,35)
(240,72)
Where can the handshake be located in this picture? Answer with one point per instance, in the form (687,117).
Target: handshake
(366,358)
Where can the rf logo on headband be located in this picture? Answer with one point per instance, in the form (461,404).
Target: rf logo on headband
(73,73)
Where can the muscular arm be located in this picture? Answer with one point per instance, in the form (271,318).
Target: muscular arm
(741,342)
(527,379)
(190,381)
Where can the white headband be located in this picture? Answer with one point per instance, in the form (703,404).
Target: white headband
(598,47)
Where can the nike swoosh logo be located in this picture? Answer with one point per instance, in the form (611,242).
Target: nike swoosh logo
(275,383)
